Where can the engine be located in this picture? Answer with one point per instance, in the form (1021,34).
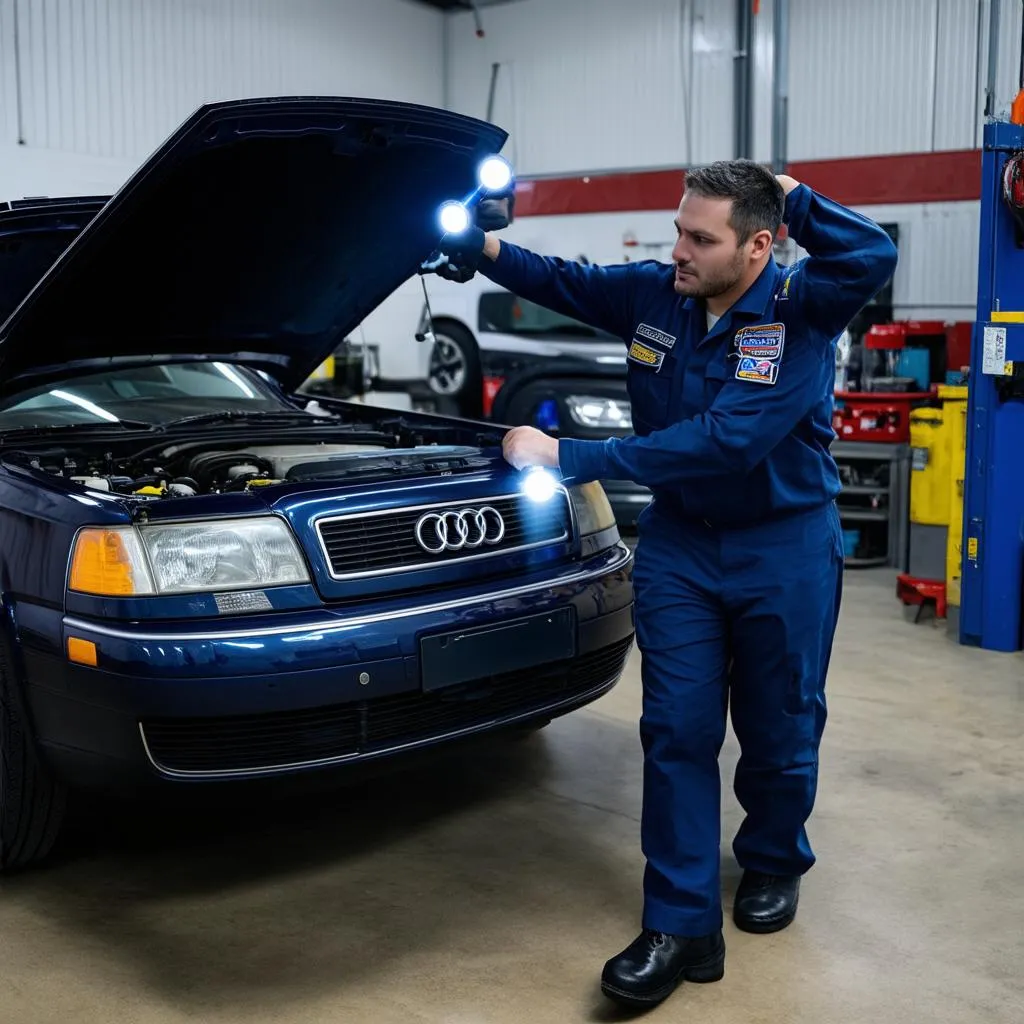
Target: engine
(186,470)
(220,470)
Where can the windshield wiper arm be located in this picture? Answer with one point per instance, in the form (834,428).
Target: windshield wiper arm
(51,429)
(262,415)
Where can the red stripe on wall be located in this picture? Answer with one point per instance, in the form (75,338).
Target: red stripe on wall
(950,176)
(606,193)
(945,177)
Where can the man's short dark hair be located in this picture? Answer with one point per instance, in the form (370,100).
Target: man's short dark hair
(759,201)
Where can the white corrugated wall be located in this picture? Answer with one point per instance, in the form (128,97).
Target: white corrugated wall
(1009,54)
(938,273)
(584,85)
(104,81)
(876,77)
(592,85)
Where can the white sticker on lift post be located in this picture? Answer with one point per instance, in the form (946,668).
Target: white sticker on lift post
(993,355)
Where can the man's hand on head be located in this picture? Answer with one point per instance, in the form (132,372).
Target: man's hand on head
(787,183)
(527,446)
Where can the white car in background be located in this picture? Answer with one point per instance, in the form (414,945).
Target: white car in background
(485,335)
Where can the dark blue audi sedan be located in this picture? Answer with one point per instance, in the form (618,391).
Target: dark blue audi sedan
(206,575)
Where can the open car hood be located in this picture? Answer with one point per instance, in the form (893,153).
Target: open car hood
(262,232)
(33,233)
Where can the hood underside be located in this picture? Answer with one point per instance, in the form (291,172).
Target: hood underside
(33,233)
(262,232)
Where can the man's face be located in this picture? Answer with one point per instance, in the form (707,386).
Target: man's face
(708,260)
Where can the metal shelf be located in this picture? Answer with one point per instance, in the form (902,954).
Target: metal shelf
(896,491)
(864,489)
(867,515)
(879,451)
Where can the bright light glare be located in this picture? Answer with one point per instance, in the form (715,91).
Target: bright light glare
(454,218)
(495,174)
(539,485)
(84,403)
(231,375)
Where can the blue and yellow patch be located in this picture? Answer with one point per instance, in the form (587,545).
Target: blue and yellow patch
(760,371)
(762,341)
(644,355)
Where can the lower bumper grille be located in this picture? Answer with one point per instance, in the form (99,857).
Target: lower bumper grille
(265,742)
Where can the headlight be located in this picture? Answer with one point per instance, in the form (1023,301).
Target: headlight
(180,558)
(597,413)
(593,510)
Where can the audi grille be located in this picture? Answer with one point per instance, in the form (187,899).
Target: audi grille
(423,537)
(464,529)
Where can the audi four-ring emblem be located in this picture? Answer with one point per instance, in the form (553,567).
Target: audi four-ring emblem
(465,529)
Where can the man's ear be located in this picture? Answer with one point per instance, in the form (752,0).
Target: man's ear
(761,243)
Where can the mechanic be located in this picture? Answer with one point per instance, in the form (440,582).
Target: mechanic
(739,560)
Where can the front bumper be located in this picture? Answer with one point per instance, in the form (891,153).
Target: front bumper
(307,691)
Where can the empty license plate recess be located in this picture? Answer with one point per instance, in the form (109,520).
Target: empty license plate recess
(462,655)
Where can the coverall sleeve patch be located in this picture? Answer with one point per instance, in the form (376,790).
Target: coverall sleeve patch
(645,355)
(763,341)
(760,371)
(759,352)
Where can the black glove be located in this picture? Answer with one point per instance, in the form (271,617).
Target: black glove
(496,212)
(457,256)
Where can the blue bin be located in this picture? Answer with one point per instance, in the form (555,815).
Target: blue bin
(916,363)
(851,538)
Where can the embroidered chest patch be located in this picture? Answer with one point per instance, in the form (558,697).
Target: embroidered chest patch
(763,341)
(645,355)
(653,334)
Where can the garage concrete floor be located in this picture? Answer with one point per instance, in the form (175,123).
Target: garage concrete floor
(491,888)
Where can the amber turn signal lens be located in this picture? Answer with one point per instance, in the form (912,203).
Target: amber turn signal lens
(82,651)
(108,563)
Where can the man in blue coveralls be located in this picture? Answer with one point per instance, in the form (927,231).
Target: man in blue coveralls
(739,558)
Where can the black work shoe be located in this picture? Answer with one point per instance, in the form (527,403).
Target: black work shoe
(649,969)
(766,903)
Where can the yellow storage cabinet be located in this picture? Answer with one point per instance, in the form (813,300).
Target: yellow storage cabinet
(938,449)
(929,481)
(954,406)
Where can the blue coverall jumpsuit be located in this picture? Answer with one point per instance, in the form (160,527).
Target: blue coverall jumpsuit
(740,557)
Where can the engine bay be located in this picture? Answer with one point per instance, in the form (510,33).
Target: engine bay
(243,458)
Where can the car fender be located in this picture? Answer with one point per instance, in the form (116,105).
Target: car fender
(10,644)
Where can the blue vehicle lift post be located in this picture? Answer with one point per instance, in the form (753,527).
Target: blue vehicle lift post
(992,580)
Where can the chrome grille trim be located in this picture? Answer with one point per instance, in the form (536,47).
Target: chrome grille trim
(561,494)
